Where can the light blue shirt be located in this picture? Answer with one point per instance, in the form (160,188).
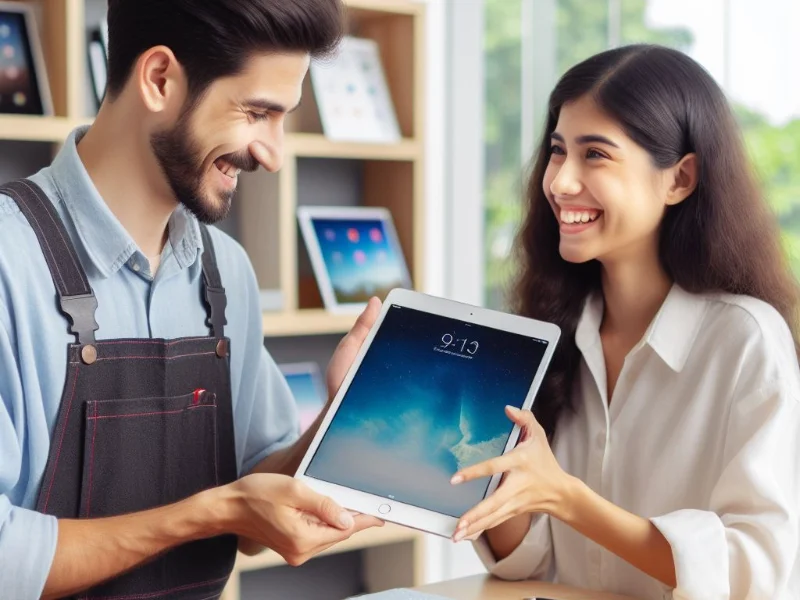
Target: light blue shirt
(132,304)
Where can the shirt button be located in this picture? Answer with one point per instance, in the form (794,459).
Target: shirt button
(136,267)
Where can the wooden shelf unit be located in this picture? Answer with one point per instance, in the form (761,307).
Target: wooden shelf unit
(392,175)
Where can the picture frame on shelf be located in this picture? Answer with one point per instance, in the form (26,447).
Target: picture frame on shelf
(308,388)
(97,48)
(355,254)
(24,86)
(352,94)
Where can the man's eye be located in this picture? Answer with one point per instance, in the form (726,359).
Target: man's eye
(256,116)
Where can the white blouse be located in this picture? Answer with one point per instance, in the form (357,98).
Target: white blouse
(702,437)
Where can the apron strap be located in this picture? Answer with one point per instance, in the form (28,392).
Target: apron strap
(76,298)
(213,292)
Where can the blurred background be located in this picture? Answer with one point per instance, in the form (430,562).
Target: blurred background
(468,81)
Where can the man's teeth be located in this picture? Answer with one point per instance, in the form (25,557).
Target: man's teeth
(585,216)
(228,169)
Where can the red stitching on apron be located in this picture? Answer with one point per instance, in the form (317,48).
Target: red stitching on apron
(95,418)
(216,451)
(163,342)
(149,414)
(161,593)
(155,357)
(61,442)
(91,467)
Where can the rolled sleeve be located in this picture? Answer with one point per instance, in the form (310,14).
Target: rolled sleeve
(532,559)
(27,547)
(745,545)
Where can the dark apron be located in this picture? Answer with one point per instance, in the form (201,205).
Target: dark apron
(142,422)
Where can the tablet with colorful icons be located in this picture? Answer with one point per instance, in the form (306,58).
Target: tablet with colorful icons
(355,254)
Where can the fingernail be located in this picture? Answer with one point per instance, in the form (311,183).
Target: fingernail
(459,535)
(513,409)
(457,479)
(346,519)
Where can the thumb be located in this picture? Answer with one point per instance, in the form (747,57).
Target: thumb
(523,418)
(324,508)
(366,320)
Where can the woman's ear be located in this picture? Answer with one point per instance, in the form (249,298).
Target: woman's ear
(684,179)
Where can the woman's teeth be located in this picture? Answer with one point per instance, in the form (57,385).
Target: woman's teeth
(581,216)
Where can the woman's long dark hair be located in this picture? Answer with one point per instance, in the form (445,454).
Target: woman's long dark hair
(721,238)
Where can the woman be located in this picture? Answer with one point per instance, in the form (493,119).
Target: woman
(663,456)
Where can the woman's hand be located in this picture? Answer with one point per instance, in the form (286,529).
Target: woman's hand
(533,481)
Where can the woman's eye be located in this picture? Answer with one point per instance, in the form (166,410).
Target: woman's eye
(594,154)
(554,149)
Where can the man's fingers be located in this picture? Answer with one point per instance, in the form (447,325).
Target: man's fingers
(365,321)
(363,522)
(323,507)
(319,536)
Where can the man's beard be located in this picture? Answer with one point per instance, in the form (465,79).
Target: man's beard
(180,158)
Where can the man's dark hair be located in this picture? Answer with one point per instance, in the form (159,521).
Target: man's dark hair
(215,38)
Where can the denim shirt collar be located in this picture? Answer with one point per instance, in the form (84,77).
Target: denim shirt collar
(107,243)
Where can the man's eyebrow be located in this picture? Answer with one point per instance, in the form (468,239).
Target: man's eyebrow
(586,139)
(269,105)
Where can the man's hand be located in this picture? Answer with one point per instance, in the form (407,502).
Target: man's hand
(349,346)
(285,515)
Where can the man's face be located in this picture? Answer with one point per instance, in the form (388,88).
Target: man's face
(212,141)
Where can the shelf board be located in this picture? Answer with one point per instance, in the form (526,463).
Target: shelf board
(305,322)
(380,536)
(35,128)
(404,7)
(316,145)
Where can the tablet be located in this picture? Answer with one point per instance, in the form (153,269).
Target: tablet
(308,388)
(355,254)
(424,398)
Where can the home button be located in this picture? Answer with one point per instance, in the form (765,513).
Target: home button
(384,509)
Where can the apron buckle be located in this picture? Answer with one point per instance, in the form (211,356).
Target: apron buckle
(80,310)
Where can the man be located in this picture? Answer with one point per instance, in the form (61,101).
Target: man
(144,430)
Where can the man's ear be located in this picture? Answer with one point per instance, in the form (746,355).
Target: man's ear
(160,79)
(684,179)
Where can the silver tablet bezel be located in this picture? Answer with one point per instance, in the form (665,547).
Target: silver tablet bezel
(392,510)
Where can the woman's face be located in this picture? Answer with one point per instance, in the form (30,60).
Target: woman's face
(606,193)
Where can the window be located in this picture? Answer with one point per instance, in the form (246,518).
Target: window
(749,47)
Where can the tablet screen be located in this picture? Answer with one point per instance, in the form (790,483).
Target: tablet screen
(428,399)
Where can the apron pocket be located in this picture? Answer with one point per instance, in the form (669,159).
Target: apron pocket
(147,452)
